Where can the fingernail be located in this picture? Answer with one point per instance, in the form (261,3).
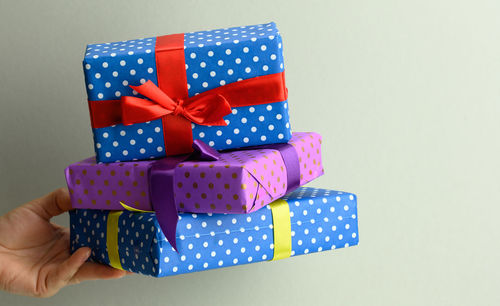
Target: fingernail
(86,255)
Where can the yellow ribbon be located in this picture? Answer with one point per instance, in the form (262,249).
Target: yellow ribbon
(112,239)
(130,208)
(112,235)
(282,229)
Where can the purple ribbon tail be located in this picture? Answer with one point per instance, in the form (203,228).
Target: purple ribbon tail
(202,151)
(162,187)
(162,196)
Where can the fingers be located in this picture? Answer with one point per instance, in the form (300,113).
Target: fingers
(74,270)
(93,271)
(53,204)
(65,272)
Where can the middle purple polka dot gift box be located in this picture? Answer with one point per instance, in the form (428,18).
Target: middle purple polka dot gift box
(237,182)
(152,97)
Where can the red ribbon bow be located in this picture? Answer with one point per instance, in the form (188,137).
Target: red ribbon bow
(203,109)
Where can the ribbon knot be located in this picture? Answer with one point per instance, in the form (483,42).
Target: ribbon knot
(204,109)
(179,109)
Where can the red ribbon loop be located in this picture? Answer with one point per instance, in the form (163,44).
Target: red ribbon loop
(203,109)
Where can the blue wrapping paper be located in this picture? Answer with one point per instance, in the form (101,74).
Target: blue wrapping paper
(320,220)
(213,58)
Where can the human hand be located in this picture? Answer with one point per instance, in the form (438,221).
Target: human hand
(34,253)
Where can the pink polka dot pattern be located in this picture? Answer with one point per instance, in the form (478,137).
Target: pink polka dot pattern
(239,182)
(308,146)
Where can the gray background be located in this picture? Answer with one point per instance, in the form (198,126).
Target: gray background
(405,93)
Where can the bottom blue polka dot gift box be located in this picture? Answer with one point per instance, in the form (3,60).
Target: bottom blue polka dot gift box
(305,221)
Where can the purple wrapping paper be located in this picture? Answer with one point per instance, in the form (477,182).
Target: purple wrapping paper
(239,182)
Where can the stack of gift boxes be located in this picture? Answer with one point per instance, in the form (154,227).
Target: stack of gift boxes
(196,166)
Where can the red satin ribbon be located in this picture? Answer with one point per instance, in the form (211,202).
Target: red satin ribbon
(170,100)
(204,110)
(172,79)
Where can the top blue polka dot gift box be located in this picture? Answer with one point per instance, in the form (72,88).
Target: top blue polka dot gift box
(152,97)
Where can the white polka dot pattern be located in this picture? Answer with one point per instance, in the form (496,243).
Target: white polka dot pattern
(110,68)
(246,128)
(213,58)
(320,219)
(129,142)
(218,57)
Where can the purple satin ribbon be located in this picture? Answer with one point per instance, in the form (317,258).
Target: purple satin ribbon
(162,181)
(162,196)
(291,161)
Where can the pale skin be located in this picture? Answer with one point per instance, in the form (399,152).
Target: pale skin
(35,258)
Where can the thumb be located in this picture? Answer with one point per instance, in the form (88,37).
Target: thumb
(53,204)
(64,273)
